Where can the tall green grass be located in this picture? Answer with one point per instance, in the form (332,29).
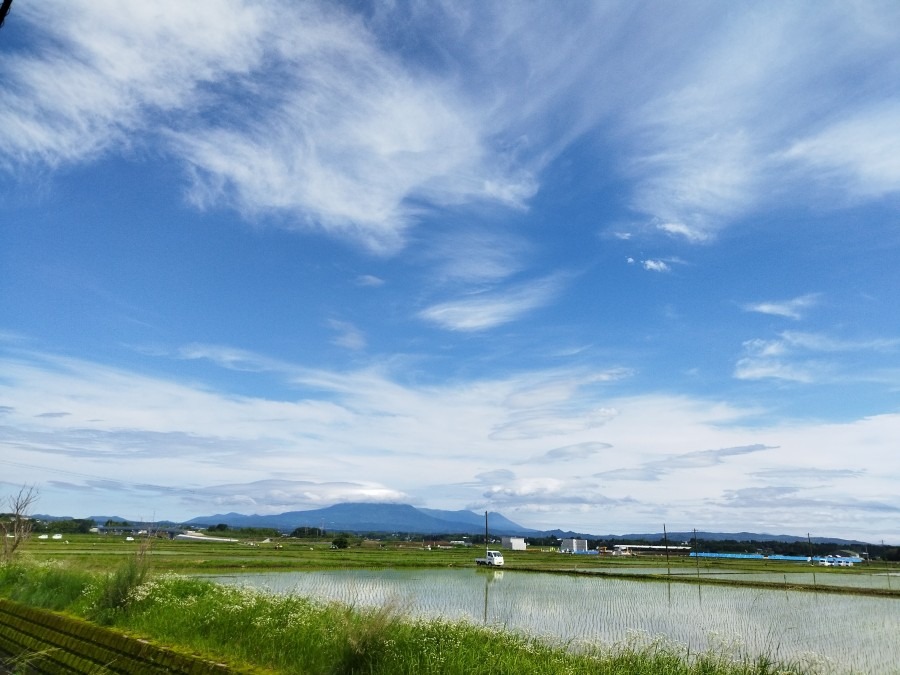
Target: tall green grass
(49,585)
(297,635)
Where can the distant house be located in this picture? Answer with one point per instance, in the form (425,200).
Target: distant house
(514,543)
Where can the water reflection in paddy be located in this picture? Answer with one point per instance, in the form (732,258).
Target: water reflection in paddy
(853,633)
(807,577)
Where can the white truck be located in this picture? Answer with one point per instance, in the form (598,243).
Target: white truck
(491,559)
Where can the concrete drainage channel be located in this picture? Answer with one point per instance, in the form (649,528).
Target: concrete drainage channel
(39,641)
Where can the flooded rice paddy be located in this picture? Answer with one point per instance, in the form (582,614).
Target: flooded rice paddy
(806,577)
(831,633)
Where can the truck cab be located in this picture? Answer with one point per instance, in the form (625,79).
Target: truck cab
(491,559)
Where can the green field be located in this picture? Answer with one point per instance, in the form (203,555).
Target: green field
(107,580)
(102,552)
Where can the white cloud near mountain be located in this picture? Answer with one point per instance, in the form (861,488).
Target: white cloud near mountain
(186,440)
(274,496)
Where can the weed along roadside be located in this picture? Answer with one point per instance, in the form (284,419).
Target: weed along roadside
(137,591)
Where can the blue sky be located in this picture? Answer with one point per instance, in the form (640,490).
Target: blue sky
(598,266)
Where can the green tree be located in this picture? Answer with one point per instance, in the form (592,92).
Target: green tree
(308,533)
(341,541)
(68,526)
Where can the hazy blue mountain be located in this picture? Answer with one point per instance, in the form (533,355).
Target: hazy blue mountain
(50,519)
(406,519)
(497,522)
(676,538)
(364,517)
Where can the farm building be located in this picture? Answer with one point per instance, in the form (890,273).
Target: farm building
(514,543)
(636,549)
(573,545)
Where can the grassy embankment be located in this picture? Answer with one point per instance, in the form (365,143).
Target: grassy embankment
(297,635)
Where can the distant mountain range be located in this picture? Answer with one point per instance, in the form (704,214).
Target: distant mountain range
(403,518)
(406,519)
(362,517)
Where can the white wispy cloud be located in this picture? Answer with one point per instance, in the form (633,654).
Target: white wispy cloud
(568,453)
(330,442)
(824,343)
(655,469)
(274,496)
(541,491)
(349,138)
(233,358)
(101,71)
(486,310)
(803,357)
(754,368)
(476,256)
(656,266)
(792,309)
(314,120)
(369,280)
(308,116)
(712,144)
(806,474)
(495,476)
(860,155)
(348,335)
(778,498)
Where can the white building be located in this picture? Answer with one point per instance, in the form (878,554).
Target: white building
(573,545)
(514,543)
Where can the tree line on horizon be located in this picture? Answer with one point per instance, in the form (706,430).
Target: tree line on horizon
(799,547)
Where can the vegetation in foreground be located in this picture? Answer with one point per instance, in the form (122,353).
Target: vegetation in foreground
(293,634)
